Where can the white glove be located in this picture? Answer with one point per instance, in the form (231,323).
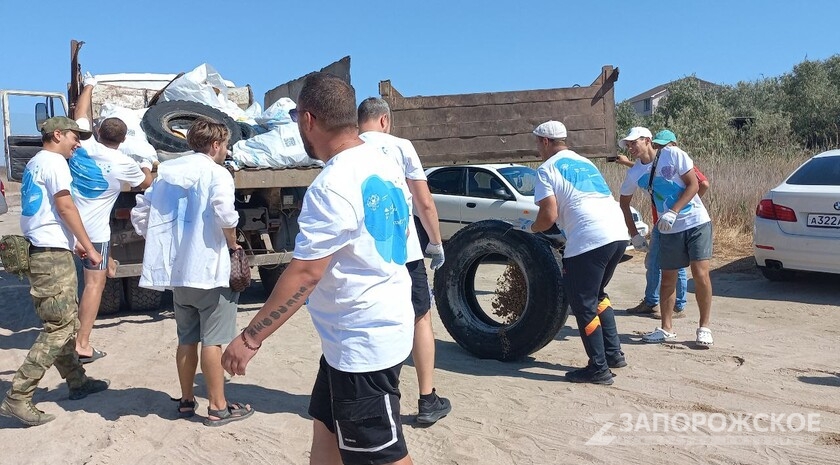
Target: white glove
(666,221)
(146,164)
(524,224)
(639,243)
(89,80)
(435,251)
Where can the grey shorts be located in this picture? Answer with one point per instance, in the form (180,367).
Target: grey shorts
(205,315)
(678,250)
(104,249)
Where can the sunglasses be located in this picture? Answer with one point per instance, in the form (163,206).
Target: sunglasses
(296,114)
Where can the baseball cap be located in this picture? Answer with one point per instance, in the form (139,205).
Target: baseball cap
(551,130)
(63,123)
(664,137)
(634,134)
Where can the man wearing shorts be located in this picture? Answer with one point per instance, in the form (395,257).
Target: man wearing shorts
(375,128)
(99,169)
(189,222)
(684,224)
(349,260)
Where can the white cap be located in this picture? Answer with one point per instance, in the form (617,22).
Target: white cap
(551,130)
(634,134)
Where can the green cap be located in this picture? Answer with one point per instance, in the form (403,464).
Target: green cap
(63,123)
(664,137)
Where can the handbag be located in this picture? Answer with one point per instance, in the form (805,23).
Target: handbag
(240,271)
(14,253)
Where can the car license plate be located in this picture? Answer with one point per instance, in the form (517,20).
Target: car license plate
(824,221)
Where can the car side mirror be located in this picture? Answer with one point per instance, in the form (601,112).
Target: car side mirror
(503,194)
(41,114)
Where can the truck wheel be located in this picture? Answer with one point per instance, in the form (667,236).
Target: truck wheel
(269,275)
(545,309)
(111,297)
(247,130)
(140,299)
(162,120)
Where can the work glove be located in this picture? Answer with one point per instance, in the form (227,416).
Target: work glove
(666,221)
(435,251)
(89,80)
(639,243)
(523,224)
(146,164)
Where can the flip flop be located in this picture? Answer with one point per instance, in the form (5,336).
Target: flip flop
(235,411)
(110,271)
(95,355)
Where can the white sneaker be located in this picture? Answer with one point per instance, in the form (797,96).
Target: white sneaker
(704,337)
(658,336)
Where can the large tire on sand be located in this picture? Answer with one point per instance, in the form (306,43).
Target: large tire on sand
(161,121)
(112,297)
(269,275)
(546,308)
(141,299)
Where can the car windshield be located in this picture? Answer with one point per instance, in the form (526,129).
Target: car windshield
(522,178)
(822,171)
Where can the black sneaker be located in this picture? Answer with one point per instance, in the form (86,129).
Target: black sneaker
(91,386)
(431,412)
(590,375)
(617,361)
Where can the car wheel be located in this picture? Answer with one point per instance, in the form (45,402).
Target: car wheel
(545,308)
(775,274)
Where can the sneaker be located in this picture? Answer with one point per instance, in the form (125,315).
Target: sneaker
(91,386)
(431,412)
(25,412)
(704,337)
(617,360)
(643,309)
(590,375)
(658,336)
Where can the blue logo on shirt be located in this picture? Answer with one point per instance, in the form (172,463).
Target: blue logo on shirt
(30,194)
(665,193)
(88,179)
(386,218)
(582,175)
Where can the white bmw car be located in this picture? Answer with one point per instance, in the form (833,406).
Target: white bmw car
(797,223)
(465,194)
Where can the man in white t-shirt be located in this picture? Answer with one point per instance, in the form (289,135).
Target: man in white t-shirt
(349,260)
(99,169)
(50,222)
(684,225)
(374,128)
(573,194)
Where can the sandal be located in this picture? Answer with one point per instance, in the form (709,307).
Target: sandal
(186,408)
(704,337)
(659,335)
(95,355)
(234,412)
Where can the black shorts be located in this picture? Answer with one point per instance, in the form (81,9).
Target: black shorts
(420,297)
(363,411)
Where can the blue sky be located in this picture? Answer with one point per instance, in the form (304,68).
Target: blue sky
(425,48)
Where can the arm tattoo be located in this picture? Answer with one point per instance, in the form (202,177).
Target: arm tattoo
(275,315)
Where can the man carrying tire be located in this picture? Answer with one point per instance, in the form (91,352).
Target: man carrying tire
(375,128)
(571,192)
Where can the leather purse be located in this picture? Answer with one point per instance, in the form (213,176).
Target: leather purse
(240,271)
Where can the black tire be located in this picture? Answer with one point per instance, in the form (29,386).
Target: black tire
(775,274)
(546,309)
(140,299)
(247,130)
(269,276)
(111,297)
(160,118)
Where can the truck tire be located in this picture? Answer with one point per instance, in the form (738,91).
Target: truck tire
(160,119)
(139,299)
(247,130)
(546,308)
(269,275)
(111,297)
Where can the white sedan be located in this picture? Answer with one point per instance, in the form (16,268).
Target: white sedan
(797,223)
(465,194)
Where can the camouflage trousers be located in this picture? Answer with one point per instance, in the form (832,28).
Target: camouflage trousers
(52,276)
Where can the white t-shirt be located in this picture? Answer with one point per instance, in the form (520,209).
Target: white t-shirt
(586,209)
(190,202)
(668,187)
(356,211)
(402,151)
(45,175)
(98,173)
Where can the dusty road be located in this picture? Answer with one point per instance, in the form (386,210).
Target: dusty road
(766,393)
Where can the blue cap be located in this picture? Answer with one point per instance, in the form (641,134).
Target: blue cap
(664,137)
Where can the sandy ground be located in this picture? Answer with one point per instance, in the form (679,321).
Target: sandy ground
(774,367)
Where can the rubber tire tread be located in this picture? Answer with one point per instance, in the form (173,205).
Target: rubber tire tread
(155,123)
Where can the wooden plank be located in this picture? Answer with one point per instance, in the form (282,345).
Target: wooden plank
(270,178)
(498,127)
(548,110)
(493,98)
(459,146)
(511,156)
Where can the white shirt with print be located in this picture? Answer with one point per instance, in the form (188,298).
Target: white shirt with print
(190,202)
(46,174)
(668,186)
(402,151)
(98,173)
(356,212)
(586,209)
